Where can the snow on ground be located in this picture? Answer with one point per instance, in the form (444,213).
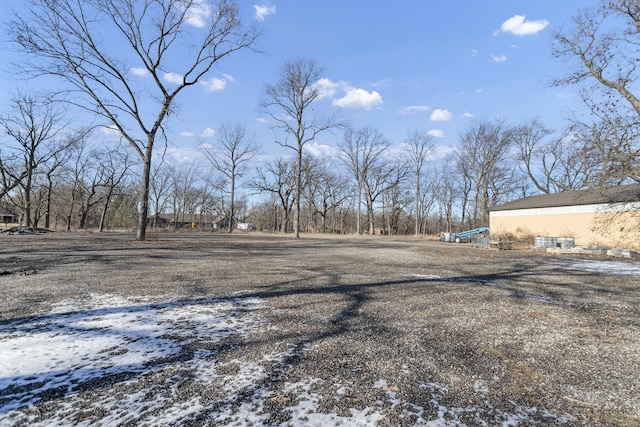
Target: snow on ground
(619,268)
(110,360)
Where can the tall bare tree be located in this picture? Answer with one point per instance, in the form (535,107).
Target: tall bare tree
(278,177)
(327,190)
(288,102)
(162,179)
(428,197)
(603,43)
(352,148)
(186,191)
(553,164)
(116,168)
(481,153)
(418,146)
(34,127)
(529,138)
(364,153)
(230,157)
(448,192)
(101,48)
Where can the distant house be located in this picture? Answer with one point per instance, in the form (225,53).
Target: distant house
(597,217)
(246,226)
(183,221)
(7,218)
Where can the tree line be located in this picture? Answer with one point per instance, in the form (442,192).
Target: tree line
(60,176)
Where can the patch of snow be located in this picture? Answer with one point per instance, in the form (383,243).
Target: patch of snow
(111,360)
(614,268)
(84,343)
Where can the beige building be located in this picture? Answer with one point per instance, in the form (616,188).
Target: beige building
(598,217)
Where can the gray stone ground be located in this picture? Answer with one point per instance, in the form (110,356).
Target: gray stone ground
(520,325)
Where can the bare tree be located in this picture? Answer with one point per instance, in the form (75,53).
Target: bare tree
(529,138)
(360,148)
(364,155)
(278,178)
(481,153)
(186,191)
(35,129)
(175,42)
(603,44)
(447,191)
(327,190)
(230,157)
(396,198)
(288,103)
(418,146)
(161,185)
(10,172)
(428,197)
(557,163)
(116,168)
(609,142)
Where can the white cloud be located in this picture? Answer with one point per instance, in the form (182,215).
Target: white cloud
(184,154)
(207,132)
(501,58)
(474,52)
(262,11)
(519,26)
(322,150)
(439,115)
(479,90)
(326,88)
(436,133)
(186,134)
(414,109)
(467,115)
(353,97)
(214,84)
(173,78)
(197,13)
(140,72)
(359,98)
(440,152)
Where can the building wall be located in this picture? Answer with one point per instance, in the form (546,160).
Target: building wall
(590,225)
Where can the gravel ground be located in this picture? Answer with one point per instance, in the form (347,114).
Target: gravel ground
(408,329)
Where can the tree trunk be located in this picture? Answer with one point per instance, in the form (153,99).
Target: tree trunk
(103,216)
(71,204)
(47,214)
(296,213)
(417,202)
(144,192)
(84,211)
(232,201)
(27,201)
(285,220)
(359,209)
(370,215)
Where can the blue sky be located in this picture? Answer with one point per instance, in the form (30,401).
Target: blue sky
(411,65)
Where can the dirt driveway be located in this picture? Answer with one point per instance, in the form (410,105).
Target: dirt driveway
(252,329)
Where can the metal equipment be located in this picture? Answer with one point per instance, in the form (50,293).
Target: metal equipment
(463,236)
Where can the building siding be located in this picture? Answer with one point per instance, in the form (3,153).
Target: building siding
(591,225)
